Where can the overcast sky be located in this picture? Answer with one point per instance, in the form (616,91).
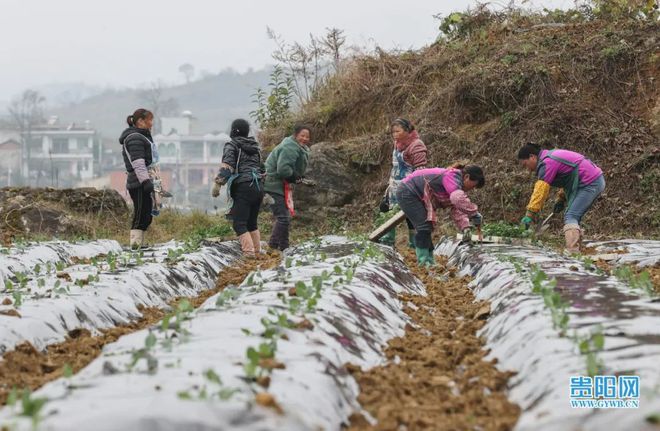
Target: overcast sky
(123,43)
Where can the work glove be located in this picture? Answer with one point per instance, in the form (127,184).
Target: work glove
(215,191)
(526,221)
(384,204)
(559,206)
(477,219)
(267,200)
(222,177)
(467,236)
(148,186)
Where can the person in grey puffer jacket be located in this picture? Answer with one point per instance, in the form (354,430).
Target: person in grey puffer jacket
(136,141)
(242,170)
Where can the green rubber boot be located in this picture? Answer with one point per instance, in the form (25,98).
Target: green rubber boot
(411,239)
(389,238)
(424,256)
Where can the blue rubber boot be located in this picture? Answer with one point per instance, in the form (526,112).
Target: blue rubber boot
(424,256)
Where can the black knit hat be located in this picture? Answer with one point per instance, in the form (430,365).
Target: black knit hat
(239,127)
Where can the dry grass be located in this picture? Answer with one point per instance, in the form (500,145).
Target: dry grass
(169,225)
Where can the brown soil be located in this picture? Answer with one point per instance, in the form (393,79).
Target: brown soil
(441,380)
(655,278)
(25,366)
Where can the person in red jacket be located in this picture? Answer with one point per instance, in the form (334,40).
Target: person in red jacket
(408,155)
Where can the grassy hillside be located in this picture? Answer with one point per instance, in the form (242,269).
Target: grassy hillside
(500,80)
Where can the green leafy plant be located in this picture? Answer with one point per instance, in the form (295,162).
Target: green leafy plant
(616,9)
(641,280)
(265,350)
(174,255)
(273,109)
(381,218)
(18,298)
(545,287)
(182,312)
(31,407)
(145,353)
(202,393)
(111,258)
(67,370)
(517,262)
(228,294)
(504,229)
(22,279)
(590,346)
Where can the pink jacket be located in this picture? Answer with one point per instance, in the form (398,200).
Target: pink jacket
(550,170)
(440,187)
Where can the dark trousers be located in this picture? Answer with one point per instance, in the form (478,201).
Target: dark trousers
(279,238)
(142,206)
(415,211)
(247,198)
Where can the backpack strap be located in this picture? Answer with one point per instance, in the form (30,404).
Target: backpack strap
(123,144)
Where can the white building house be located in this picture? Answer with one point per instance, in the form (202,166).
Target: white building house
(60,156)
(190,160)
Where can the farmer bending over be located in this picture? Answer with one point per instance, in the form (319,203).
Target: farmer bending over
(581,182)
(424,190)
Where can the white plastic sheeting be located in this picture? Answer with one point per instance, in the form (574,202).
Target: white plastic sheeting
(23,259)
(48,312)
(520,334)
(630,251)
(353,320)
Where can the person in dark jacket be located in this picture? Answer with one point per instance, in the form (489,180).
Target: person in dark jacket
(242,171)
(136,142)
(286,166)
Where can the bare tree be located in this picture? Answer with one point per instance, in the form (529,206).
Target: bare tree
(188,71)
(308,65)
(27,111)
(333,41)
(154,99)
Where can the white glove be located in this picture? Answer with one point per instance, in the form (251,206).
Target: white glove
(467,236)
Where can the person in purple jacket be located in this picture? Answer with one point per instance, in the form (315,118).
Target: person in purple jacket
(424,190)
(581,182)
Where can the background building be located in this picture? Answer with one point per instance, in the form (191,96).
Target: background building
(189,161)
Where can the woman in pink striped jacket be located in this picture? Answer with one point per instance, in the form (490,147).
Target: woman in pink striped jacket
(408,155)
(425,190)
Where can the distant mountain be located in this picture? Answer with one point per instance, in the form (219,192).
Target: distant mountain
(214,100)
(59,94)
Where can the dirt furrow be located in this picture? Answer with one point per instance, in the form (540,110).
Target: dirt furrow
(437,377)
